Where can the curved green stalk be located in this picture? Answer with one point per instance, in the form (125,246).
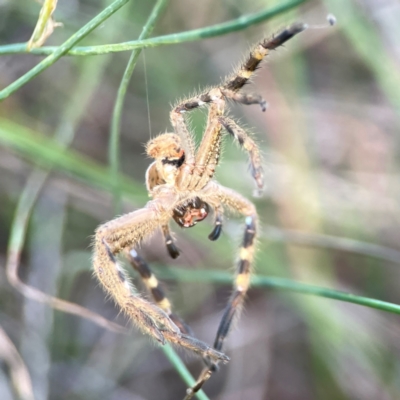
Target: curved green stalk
(277,283)
(113,149)
(180,367)
(237,24)
(58,52)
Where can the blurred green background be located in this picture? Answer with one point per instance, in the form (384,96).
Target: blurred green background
(330,213)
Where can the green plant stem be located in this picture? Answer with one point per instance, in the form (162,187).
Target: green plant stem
(180,367)
(237,24)
(221,277)
(63,49)
(113,148)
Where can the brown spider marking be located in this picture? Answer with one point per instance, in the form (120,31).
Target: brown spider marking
(190,213)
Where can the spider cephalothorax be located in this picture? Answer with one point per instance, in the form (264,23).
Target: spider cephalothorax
(180,182)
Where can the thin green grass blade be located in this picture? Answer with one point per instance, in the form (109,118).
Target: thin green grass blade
(63,49)
(180,367)
(113,149)
(276,283)
(237,24)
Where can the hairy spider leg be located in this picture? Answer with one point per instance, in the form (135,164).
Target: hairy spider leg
(156,290)
(173,250)
(207,156)
(110,239)
(214,235)
(125,232)
(238,203)
(209,151)
(236,82)
(181,129)
(218,220)
(154,179)
(197,174)
(248,144)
